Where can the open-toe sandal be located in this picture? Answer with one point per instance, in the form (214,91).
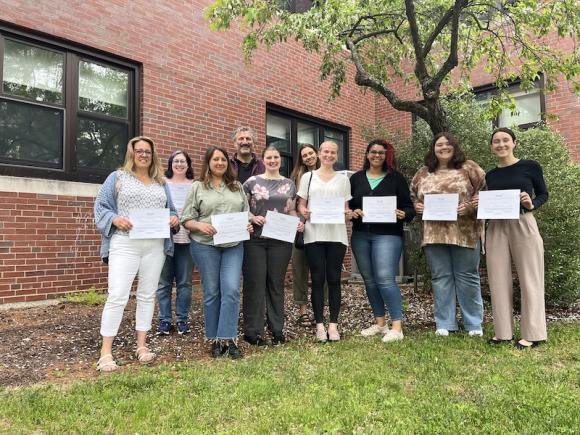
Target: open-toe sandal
(106,364)
(304,320)
(144,355)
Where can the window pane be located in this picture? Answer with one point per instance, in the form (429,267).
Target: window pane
(286,166)
(33,72)
(31,134)
(338,137)
(103,90)
(278,132)
(528,109)
(307,134)
(101,144)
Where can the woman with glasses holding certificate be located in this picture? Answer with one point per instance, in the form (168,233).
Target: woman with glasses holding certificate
(138,185)
(517,241)
(451,244)
(377,238)
(179,268)
(266,258)
(323,201)
(217,192)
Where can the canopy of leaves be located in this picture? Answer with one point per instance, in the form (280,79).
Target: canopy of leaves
(418,41)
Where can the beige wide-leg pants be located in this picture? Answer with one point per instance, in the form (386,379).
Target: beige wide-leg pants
(518,241)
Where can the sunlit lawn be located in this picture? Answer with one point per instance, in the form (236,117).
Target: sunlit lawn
(424,384)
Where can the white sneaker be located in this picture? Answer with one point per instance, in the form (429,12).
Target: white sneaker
(476,333)
(374,330)
(442,332)
(392,335)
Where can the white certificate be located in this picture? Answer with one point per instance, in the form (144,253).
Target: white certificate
(379,209)
(230,227)
(441,207)
(149,223)
(499,204)
(178,193)
(326,210)
(280,226)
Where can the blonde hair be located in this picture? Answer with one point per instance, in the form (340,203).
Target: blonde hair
(155,169)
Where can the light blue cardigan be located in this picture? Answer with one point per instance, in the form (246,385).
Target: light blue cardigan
(106,211)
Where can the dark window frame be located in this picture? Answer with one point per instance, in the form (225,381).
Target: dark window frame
(295,117)
(514,84)
(73,54)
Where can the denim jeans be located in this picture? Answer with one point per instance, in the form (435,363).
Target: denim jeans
(455,276)
(377,257)
(220,270)
(180,268)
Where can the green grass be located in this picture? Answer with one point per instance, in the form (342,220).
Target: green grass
(425,384)
(91,296)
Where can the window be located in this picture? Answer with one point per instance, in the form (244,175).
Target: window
(65,113)
(296,6)
(529,105)
(287,130)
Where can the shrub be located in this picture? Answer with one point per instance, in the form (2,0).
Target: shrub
(558,219)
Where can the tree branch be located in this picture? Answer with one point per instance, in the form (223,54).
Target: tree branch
(435,33)
(420,67)
(363,78)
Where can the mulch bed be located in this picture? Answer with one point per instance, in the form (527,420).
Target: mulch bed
(60,343)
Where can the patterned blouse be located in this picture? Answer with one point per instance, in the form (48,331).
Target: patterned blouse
(269,195)
(132,193)
(466,181)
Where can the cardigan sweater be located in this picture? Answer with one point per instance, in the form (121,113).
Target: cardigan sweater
(106,210)
(393,184)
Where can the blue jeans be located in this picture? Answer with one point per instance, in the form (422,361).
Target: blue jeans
(455,276)
(220,270)
(178,267)
(377,257)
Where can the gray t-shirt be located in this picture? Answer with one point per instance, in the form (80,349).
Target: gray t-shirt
(269,195)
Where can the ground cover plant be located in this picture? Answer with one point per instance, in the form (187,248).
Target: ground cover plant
(424,384)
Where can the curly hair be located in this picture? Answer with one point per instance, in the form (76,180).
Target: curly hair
(458,156)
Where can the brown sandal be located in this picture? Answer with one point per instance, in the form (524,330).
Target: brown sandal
(144,355)
(304,320)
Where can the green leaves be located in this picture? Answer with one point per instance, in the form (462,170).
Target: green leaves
(507,39)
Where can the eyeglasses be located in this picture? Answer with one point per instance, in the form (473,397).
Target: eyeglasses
(378,153)
(143,152)
(180,162)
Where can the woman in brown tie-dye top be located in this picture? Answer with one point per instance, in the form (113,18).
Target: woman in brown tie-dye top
(452,247)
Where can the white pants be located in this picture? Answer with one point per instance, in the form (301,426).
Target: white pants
(126,258)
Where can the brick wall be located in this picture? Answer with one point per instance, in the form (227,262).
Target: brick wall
(196,89)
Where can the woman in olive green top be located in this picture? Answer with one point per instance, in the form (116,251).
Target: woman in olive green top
(217,192)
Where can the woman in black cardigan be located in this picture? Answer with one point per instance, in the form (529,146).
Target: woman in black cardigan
(377,247)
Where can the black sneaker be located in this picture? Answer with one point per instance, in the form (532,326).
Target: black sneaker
(254,340)
(233,350)
(164,327)
(278,339)
(183,328)
(218,349)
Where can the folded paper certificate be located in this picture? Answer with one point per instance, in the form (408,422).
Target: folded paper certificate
(379,209)
(499,204)
(441,207)
(149,223)
(230,227)
(280,226)
(326,210)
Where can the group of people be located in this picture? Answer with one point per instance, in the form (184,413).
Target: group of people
(247,183)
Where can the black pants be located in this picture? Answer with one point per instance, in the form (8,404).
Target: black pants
(325,262)
(265,265)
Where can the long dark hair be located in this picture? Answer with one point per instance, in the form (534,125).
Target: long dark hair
(389,165)
(229,176)
(458,157)
(299,167)
(169,171)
